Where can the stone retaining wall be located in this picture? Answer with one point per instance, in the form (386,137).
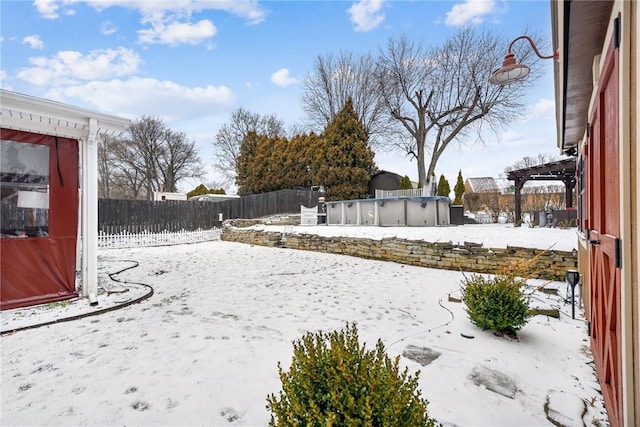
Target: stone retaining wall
(470,257)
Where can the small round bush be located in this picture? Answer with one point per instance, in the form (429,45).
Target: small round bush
(496,303)
(334,381)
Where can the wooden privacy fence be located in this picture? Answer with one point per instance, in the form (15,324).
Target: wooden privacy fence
(135,216)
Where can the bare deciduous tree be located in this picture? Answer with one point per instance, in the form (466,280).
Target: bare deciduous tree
(530,161)
(441,95)
(178,159)
(336,79)
(105,166)
(116,179)
(150,157)
(230,137)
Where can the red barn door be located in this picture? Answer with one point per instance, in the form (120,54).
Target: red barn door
(603,179)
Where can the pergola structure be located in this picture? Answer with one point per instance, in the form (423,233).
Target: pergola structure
(562,170)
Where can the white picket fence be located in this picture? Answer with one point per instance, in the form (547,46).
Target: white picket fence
(146,238)
(483,218)
(413,192)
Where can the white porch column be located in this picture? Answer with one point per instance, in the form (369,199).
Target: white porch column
(90,214)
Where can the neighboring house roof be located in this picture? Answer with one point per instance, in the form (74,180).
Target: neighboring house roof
(387,173)
(482,185)
(504,185)
(393,175)
(383,180)
(213,197)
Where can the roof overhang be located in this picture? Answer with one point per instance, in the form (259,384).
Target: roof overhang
(30,114)
(579,30)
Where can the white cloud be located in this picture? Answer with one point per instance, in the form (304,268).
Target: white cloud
(282,78)
(73,66)
(135,97)
(3,80)
(107,28)
(33,41)
(51,9)
(511,135)
(47,8)
(366,14)
(177,33)
(251,10)
(544,108)
(169,21)
(470,11)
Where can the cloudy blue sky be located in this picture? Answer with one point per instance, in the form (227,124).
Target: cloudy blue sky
(192,63)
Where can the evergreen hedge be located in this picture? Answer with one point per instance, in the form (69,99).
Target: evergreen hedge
(496,303)
(334,381)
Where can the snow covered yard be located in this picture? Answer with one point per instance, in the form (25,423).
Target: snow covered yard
(203,350)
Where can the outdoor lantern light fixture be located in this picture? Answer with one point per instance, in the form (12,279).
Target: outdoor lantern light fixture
(511,71)
(573,278)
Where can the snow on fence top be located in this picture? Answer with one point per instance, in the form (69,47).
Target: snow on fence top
(146,238)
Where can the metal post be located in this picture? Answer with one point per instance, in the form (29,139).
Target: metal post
(573,302)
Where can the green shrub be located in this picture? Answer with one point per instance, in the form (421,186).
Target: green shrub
(333,381)
(444,189)
(458,190)
(496,303)
(405,183)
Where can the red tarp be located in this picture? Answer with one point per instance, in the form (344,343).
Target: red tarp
(36,270)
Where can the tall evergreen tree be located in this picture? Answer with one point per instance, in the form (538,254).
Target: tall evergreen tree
(276,177)
(198,191)
(344,161)
(458,189)
(245,168)
(229,138)
(292,158)
(444,189)
(202,189)
(339,159)
(405,183)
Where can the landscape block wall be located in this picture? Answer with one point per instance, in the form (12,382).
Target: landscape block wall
(469,257)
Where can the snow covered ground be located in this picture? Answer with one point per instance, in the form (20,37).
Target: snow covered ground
(490,235)
(204,348)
